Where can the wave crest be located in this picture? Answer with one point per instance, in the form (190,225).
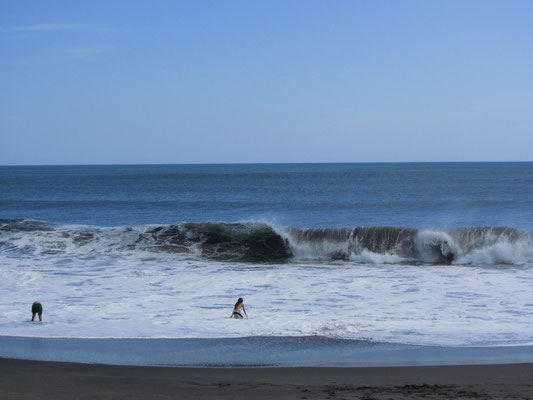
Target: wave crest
(262,242)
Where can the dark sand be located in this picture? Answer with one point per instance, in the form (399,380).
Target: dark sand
(21,379)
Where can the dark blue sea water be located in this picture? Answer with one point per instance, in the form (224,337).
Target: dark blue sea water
(441,195)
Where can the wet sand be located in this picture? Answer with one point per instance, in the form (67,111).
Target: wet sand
(21,379)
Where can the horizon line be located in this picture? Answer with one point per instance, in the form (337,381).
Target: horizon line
(267,163)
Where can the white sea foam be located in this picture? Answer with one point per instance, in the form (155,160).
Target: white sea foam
(502,252)
(174,296)
(118,282)
(367,256)
(432,245)
(317,250)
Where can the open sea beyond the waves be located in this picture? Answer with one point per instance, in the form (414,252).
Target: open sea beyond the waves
(411,254)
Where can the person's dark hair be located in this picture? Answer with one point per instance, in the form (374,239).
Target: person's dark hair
(239,301)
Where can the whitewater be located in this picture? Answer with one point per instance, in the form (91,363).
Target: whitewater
(458,287)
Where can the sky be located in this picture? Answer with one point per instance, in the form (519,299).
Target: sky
(135,82)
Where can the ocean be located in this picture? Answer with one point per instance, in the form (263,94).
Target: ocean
(438,255)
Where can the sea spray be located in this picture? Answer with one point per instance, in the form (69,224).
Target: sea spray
(263,242)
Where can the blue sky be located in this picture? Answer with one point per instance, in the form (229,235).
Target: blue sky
(113,82)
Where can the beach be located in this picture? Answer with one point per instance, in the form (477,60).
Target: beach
(20,379)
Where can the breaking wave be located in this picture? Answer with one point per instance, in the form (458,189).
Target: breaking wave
(263,242)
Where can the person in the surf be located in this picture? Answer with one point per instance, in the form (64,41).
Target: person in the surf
(36,308)
(237,309)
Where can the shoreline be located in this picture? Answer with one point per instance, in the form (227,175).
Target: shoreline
(259,351)
(24,379)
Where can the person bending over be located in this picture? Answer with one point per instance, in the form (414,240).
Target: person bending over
(237,310)
(36,308)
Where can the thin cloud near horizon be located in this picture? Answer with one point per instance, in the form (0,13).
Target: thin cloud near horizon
(85,52)
(52,27)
